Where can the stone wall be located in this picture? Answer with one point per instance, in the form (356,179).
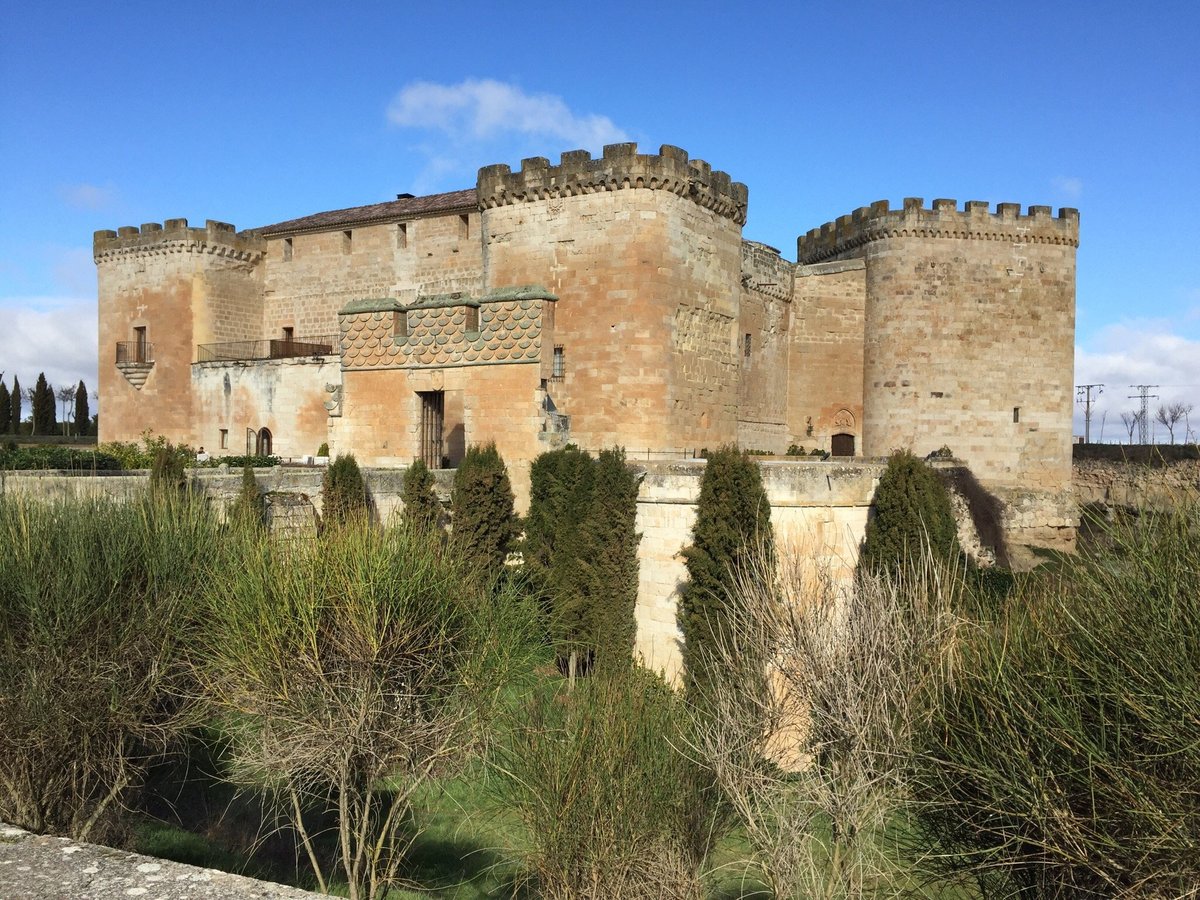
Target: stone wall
(1110,484)
(764,321)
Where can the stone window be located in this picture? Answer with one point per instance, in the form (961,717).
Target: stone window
(347,239)
(287,249)
(1016,414)
(402,235)
(746,346)
(400,324)
(559,368)
(224,439)
(472,324)
(464,227)
(289,333)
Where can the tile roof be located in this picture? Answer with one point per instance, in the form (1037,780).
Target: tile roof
(392,209)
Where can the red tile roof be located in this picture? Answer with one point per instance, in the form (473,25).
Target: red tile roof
(392,209)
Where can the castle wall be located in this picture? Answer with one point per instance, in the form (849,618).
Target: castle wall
(286,396)
(433,254)
(175,282)
(762,347)
(643,252)
(825,366)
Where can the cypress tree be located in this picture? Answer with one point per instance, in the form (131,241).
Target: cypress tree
(249,508)
(343,491)
(15,424)
(422,509)
(5,409)
(912,510)
(733,519)
(611,565)
(556,546)
(42,410)
(481,505)
(83,415)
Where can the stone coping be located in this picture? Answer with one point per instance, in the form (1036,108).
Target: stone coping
(34,867)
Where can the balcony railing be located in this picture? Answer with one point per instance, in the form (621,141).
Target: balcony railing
(270,348)
(135,352)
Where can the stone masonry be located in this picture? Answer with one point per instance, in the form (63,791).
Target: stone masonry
(605,301)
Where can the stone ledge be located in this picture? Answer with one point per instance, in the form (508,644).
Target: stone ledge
(34,867)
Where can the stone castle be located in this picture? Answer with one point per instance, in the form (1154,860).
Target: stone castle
(604,301)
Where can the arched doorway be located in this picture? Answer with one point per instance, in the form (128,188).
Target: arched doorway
(842,445)
(262,446)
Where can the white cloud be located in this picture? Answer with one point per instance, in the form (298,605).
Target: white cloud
(88,196)
(482,109)
(55,335)
(1068,187)
(1127,354)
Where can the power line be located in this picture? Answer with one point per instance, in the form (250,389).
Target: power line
(1083,394)
(1143,394)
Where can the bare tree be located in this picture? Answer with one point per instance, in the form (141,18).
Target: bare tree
(1132,422)
(1169,415)
(810,733)
(65,395)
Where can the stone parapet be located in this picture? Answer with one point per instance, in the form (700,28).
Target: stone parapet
(944,220)
(620,168)
(174,236)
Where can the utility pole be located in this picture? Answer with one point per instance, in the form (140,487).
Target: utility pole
(1143,394)
(1083,394)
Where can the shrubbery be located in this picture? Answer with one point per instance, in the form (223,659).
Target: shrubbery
(912,513)
(422,509)
(343,492)
(733,519)
(55,457)
(481,507)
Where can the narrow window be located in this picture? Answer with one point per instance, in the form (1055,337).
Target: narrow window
(400,324)
(347,237)
(139,344)
(224,438)
(287,249)
(746,346)
(560,363)
(1016,414)
(473,320)
(464,227)
(402,235)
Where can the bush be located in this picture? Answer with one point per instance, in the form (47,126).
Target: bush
(53,457)
(733,518)
(422,509)
(348,670)
(167,468)
(135,455)
(481,505)
(343,492)
(912,512)
(613,806)
(97,602)
(255,461)
(249,507)
(1063,750)
(323,450)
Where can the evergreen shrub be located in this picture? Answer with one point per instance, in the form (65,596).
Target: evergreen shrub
(912,510)
(422,509)
(733,520)
(481,506)
(343,492)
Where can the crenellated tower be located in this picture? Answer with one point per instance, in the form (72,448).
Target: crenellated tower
(969,333)
(643,252)
(164,289)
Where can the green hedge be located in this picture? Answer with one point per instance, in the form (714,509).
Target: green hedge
(54,457)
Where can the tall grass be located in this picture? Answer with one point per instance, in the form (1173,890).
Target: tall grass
(1062,756)
(95,600)
(613,803)
(347,671)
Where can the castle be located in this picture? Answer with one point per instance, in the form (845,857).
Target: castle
(604,301)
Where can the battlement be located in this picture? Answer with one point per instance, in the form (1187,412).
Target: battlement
(944,219)
(620,168)
(174,236)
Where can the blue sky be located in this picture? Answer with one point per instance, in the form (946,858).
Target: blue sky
(118,114)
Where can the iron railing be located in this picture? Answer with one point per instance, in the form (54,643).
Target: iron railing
(135,352)
(269,348)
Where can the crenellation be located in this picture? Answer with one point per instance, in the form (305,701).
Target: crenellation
(975,221)
(174,236)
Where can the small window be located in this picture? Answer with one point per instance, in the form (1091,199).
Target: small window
(289,333)
(1016,414)
(347,237)
(400,324)
(560,363)
(473,319)
(464,227)
(287,249)
(224,439)
(402,235)
(746,346)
